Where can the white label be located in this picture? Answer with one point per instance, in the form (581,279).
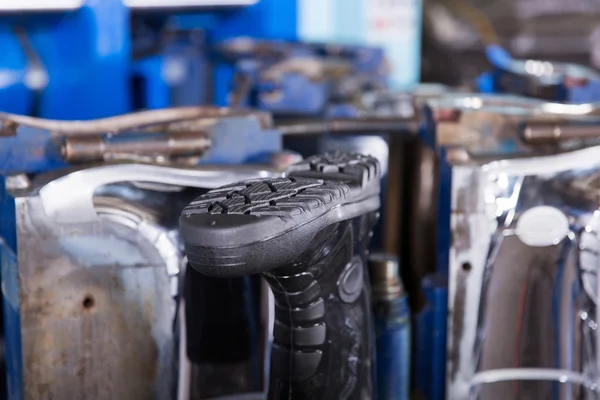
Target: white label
(391,19)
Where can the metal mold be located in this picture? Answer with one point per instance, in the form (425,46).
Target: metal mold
(523,312)
(92,301)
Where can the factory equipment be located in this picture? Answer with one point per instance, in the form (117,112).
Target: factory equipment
(498,48)
(301,79)
(315,225)
(392,328)
(91,255)
(522,295)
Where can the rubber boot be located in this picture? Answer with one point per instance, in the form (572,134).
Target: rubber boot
(307,234)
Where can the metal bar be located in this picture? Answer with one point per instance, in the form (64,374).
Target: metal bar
(538,134)
(128,122)
(361,126)
(80,149)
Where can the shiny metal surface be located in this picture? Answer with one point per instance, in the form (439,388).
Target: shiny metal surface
(83,184)
(97,287)
(87,149)
(551,72)
(441,97)
(500,132)
(523,290)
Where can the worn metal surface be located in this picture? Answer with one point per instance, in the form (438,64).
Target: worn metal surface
(96,309)
(181,136)
(143,121)
(81,149)
(92,300)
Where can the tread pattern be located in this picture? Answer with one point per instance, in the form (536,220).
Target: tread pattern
(340,166)
(269,197)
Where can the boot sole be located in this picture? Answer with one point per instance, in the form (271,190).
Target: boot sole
(256,226)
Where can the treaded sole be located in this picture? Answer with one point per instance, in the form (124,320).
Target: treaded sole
(339,166)
(254,226)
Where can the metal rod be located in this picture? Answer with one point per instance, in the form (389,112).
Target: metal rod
(363,126)
(96,148)
(538,134)
(128,122)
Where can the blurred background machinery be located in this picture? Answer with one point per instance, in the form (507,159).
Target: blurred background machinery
(321,76)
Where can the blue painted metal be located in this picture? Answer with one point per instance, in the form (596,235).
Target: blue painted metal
(175,76)
(190,88)
(499,57)
(294,91)
(154,91)
(237,141)
(10,314)
(501,80)
(86,55)
(89,77)
(430,340)
(12,320)
(392,333)
(294,94)
(15,96)
(30,151)
(588,93)
(485,82)
(267,19)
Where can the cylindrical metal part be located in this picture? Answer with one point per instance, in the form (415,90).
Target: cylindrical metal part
(556,133)
(95,148)
(360,126)
(392,328)
(384,272)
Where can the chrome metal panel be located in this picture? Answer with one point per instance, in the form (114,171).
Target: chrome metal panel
(523,288)
(97,295)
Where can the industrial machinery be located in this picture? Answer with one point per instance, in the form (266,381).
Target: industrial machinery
(550,80)
(315,226)
(92,263)
(125,177)
(392,327)
(514,48)
(122,176)
(301,79)
(522,289)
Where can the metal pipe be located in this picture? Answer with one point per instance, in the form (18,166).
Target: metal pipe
(127,122)
(96,148)
(362,126)
(538,134)
(532,374)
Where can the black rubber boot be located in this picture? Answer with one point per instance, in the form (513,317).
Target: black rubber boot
(308,236)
